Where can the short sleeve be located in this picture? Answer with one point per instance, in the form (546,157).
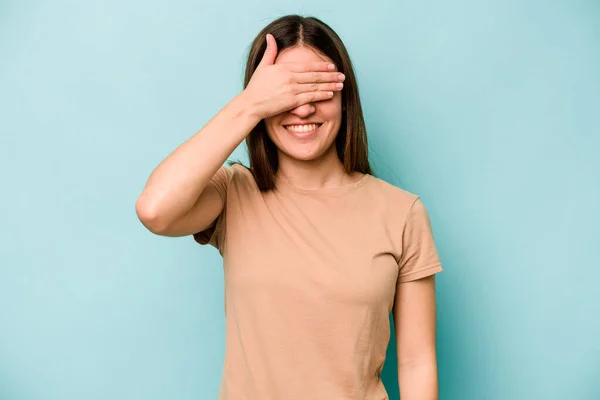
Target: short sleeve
(419,254)
(215,233)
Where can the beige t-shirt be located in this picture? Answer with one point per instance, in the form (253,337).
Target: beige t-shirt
(310,281)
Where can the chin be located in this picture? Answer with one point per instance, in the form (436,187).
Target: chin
(304,157)
(304,154)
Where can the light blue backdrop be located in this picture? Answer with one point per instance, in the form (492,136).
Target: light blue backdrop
(488,109)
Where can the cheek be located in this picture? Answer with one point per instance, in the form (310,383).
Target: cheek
(333,107)
(271,125)
(333,111)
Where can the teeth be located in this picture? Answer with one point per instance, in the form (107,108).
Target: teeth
(302,128)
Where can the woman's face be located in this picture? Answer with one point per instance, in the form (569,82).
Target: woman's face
(307,132)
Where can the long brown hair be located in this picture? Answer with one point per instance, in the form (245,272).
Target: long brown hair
(351,140)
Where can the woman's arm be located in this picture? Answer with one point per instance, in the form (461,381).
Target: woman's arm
(175,188)
(174,201)
(415,323)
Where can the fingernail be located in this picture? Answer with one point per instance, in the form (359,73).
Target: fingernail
(339,85)
(331,66)
(341,77)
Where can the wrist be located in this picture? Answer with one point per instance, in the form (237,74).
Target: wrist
(246,108)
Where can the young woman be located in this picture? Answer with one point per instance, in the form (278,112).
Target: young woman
(317,251)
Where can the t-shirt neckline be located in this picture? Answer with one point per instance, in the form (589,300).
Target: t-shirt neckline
(348,187)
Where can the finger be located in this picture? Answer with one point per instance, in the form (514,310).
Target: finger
(313,66)
(319,77)
(319,87)
(311,97)
(270,52)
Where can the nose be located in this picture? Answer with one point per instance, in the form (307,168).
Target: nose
(304,110)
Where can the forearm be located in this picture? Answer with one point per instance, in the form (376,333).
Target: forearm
(177,182)
(418,381)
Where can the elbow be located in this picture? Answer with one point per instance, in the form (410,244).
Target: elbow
(150,215)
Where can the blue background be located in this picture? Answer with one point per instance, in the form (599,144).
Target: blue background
(487,109)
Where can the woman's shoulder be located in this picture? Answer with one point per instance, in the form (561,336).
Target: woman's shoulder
(393,193)
(398,204)
(239,175)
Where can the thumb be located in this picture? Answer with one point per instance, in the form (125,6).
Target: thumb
(271,51)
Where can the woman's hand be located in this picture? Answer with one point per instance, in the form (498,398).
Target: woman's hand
(275,88)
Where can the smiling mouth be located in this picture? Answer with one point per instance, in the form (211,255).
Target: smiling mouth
(302,130)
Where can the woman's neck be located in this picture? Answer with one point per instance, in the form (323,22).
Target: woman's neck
(325,172)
